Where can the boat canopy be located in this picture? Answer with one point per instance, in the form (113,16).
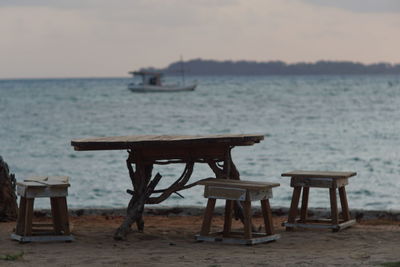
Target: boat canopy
(148,77)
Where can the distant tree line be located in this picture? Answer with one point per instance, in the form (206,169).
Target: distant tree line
(213,67)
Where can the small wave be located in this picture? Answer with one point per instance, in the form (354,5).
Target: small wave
(362,192)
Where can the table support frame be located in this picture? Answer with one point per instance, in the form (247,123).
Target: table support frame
(144,186)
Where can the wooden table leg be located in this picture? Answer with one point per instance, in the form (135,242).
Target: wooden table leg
(293,206)
(334,209)
(267,214)
(304,204)
(143,178)
(143,189)
(344,204)
(208,214)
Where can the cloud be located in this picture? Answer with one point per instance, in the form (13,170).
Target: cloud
(361,6)
(80,4)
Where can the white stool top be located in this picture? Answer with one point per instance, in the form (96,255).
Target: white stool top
(43,186)
(44,181)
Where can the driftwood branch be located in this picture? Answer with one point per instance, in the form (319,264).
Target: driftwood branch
(176,186)
(135,209)
(219,172)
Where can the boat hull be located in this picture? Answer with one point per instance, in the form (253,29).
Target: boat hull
(159,89)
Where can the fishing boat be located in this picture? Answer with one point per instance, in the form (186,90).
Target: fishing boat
(151,82)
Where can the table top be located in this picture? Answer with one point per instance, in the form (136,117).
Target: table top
(319,174)
(130,142)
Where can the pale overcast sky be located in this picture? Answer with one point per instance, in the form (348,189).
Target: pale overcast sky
(95,38)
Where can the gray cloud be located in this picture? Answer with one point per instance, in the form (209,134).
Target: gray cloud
(361,6)
(61,4)
(77,4)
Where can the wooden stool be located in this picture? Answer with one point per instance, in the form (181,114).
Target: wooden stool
(53,187)
(236,190)
(331,180)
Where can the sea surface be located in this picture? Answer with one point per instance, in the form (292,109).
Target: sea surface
(341,123)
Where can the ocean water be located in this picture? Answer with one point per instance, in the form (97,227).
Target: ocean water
(343,123)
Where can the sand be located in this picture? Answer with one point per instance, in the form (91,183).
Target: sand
(168,241)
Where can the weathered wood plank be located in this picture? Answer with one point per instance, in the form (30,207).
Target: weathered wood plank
(208,214)
(304,204)
(48,180)
(183,152)
(55,214)
(320,224)
(257,238)
(228,217)
(225,193)
(28,216)
(334,209)
(319,174)
(21,216)
(267,215)
(130,142)
(293,206)
(344,204)
(247,219)
(241,184)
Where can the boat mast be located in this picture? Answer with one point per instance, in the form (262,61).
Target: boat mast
(182,71)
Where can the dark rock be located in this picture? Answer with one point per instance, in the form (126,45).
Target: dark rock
(8,199)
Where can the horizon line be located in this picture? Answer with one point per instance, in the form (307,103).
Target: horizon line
(187,74)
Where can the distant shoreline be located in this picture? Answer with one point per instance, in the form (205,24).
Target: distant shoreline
(214,67)
(203,67)
(197,75)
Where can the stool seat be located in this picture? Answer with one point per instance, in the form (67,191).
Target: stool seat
(239,193)
(53,187)
(303,180)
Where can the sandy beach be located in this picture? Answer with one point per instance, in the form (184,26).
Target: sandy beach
(168,241)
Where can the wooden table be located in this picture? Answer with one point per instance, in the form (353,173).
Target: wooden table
(146,150)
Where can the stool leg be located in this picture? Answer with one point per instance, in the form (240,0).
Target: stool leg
(59,211)
(64,218)
(334,209)
(267,214)
(228,217)
(344,204)
(55,214)
(304,204)
(28,216)
(247,219)
(293,206)
(21,217)
(205,228)
(64,215)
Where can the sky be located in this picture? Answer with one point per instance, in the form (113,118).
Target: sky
(102,38)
